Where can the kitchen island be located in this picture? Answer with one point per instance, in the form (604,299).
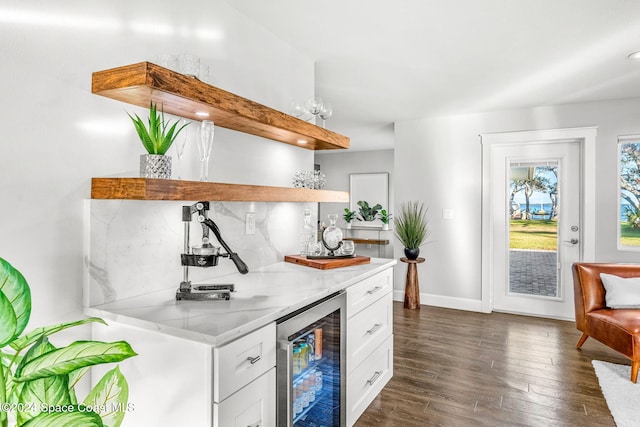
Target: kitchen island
(195,357)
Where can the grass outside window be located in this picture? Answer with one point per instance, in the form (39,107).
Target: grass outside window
(628,235)
(533,234)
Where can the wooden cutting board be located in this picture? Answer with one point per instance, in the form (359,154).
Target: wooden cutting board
(326,264)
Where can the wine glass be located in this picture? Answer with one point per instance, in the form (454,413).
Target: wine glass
(298,109)
(181,143)
(314,105)
(325,112)
(206,142)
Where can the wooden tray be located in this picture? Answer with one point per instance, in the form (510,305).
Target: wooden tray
(326,264)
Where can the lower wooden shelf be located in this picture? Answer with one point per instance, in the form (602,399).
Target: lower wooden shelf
(171,189)
(368,241)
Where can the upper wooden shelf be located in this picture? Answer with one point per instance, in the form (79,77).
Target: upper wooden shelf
(185,96)
(171,189)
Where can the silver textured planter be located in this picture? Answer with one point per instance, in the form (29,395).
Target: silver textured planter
(155,166)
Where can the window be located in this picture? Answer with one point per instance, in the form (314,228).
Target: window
(629,192)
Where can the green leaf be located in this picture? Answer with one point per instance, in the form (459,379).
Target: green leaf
(42,392)
(16,290)
(74,356)
(142,133)
(26,340)
(3,397)
(109,398)
(8,321)
(159,136)
(78,418)
(76,376)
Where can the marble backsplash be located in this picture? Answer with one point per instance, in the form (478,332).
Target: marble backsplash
(133,247)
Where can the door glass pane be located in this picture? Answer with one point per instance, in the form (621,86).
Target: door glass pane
(533,228)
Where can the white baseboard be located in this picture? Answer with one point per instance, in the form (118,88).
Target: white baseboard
(443,301)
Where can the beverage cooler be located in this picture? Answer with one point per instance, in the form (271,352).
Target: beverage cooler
(311,365)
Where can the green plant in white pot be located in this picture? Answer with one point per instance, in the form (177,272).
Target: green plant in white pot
(156,138)
(37,388)
(385,217)
(412,228)
(348,216)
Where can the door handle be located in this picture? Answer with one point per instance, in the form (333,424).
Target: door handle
(573,241)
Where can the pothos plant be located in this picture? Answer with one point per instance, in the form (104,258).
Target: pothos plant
(38,379)
(158,136)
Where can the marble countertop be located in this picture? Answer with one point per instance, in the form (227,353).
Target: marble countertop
(261,296)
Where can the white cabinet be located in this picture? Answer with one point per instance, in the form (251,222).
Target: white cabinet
(180,382)
(252,406)
(362,294)
(368,329)
(243,360)
(369,341)
(366,381)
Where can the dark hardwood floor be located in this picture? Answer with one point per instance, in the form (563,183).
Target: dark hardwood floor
(459,368)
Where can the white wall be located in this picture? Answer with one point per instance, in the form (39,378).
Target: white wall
(438,161)
(57,135)
(337,165)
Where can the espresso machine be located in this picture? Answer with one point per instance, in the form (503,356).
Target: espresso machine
(203,256)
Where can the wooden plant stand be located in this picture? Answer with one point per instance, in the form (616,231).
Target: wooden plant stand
(412,288)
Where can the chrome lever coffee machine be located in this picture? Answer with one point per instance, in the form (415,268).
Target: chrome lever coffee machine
(204,255)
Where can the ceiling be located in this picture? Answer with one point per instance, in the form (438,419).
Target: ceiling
(378,62)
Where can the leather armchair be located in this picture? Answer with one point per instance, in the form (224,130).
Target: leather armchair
(618,329)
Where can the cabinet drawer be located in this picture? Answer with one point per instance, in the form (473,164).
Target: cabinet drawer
(369,290)
(368,379)
(241,361)
(252,406)
(368,329)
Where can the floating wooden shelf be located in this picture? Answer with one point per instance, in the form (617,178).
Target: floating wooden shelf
(368,241)
(170,189)
(185,96)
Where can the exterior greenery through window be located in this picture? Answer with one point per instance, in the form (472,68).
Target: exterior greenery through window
(533,207)
(629,207)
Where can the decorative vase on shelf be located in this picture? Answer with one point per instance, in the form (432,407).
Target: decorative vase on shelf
(332,236)
(385,226)
(412,253)
(155,166)
(306,234)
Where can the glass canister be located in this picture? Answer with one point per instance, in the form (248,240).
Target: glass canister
(306,234)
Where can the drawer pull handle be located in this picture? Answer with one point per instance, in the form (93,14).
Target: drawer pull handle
(375,328)
(254,360)
(374,290)
(374,378)
(254,425)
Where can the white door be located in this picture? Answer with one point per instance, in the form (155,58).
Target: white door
(534,244)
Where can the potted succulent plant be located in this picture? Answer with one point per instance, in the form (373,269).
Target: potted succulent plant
(348,216)
(412,228)
(156,139)
(385,217)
